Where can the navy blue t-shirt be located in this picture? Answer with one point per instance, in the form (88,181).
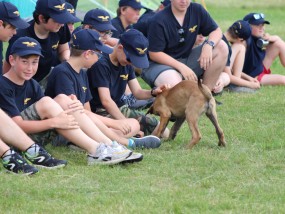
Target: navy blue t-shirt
(49,47)
(116,22)
(254,56)
(167,35)
(16,98)
(104,74)
(65,80)
(1,56)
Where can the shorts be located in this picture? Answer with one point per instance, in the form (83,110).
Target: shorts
(265,71)
(147,123)
(150,74)
(41,138)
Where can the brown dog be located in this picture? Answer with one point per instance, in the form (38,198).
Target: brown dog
(186,100)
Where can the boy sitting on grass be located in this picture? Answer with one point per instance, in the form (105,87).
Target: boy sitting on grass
(22,99)
(69,78)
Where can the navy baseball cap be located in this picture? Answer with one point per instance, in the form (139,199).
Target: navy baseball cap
(87,39)
(99,19)
(135,47)
(10,14)
(165,2)
(24,46)
(242,29)
(255,19)
(56,10)
(136,4)
(72,11)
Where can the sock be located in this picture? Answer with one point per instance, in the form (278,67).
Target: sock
(131,144)
(7,155)
(33,150)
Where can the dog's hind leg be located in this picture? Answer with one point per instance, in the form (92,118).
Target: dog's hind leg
(193,125)
(175,128)
(212,115)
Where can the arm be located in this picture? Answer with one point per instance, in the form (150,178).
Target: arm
(63,52)
(109,104)
(61,121)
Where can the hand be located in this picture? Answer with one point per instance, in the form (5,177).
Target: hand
(218,87)
(206,57)
(187,72)
(65,121)
(160,89)
(75,105)
(255,85)
(122,125)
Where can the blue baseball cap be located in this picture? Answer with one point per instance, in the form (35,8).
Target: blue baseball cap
(87,39)
(10,14)
(72,11)
(255,19)
(56,10)
(135,47)
(99,19)
(242,29)
(165,2)
(24,46)
(136,4)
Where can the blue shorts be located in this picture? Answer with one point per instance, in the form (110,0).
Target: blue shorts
(150,74)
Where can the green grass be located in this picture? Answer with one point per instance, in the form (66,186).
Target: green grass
(245,177)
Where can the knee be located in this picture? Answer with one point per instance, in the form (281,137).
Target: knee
(63,100)
(45,105)
(222,50)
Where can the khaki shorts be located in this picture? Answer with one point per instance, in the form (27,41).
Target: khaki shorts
(41,138)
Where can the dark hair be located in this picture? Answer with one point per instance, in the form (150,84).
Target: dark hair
(76,52)
(119,10)
(36,17)
(232,33)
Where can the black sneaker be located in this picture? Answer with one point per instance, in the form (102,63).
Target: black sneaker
(45,160)
(147,142)
(18,165)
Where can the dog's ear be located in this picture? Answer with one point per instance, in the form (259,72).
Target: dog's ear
(150,110)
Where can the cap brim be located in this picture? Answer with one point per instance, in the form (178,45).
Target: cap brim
(139,61)
(64,18)
(105,49)
(258,22)
(28,52)
(19,23)
(104,27)
(76,19)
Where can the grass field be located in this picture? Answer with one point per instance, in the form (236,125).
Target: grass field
(245,177)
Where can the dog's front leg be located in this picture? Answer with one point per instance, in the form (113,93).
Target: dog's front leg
(162,126)
(175,128)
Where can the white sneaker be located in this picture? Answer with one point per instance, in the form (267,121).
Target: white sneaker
(107,155)
(134,157)
(119,147)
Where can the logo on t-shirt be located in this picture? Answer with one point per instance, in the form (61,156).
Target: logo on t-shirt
(26,101)
(124,76)
(193,29)
(55,46)
(84,89)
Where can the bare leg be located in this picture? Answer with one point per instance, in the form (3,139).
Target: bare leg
(273,79)
(273,50)
(211,75)
(48,108)
(12,134)
(171,77)
(3,148)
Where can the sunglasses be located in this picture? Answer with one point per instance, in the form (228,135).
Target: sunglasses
(181,34)
(258,16)
(106,33)
(98,53)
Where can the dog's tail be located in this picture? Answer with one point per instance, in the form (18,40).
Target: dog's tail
(205,91)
